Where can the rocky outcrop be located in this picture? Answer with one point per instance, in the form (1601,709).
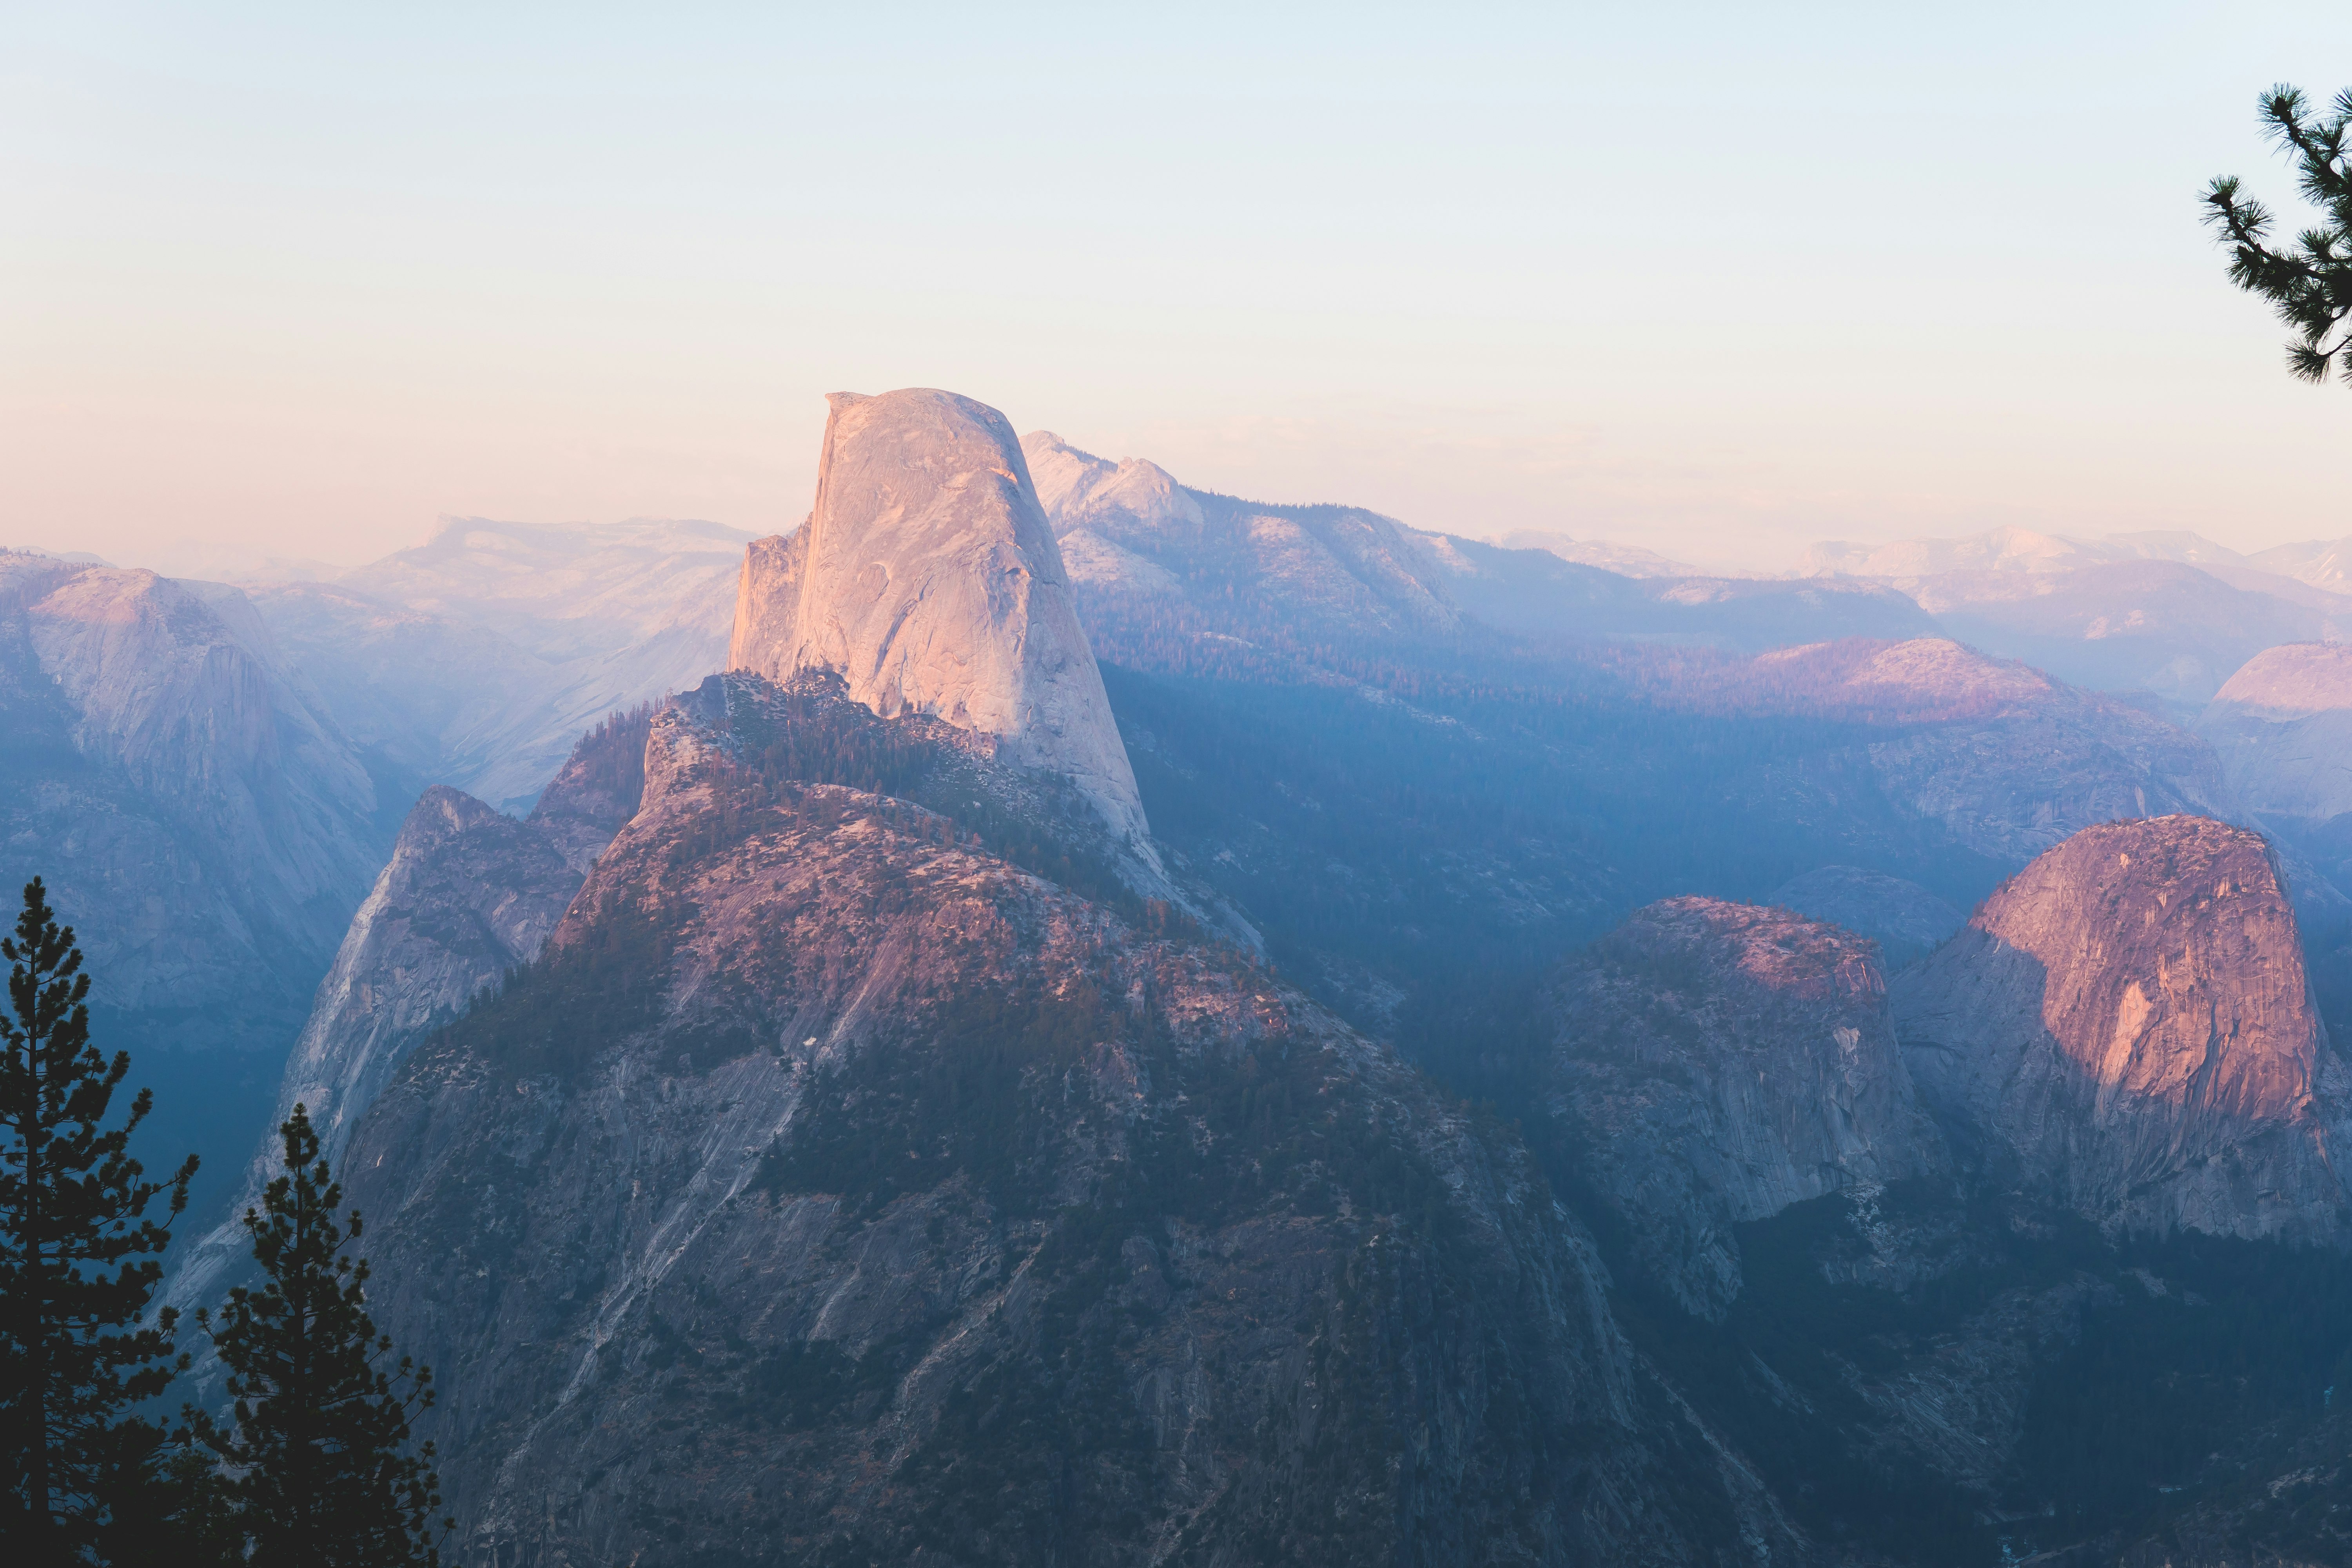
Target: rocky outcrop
(1137,530)
(1717,1062)
(1133,503)
(1903,918)
(927,1210)
(768,603)
(2126,1027)
(927,578)
(469,894)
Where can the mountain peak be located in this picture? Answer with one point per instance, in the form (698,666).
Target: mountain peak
(2126,1023)
(927,577)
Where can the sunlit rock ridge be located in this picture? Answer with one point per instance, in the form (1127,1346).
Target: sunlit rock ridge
(927,577)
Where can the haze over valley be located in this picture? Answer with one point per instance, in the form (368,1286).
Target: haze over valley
(1533,788)
(679,876)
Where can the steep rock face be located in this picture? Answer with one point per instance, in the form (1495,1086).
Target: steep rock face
(768,603)
(930,1211)
(2126,1026)
(927,577)
(1718,1062)
(1903,918)
(2282,727)
(469,894)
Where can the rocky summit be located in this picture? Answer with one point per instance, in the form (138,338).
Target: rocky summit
(1718,1062)
(927,578)
(2126,1027)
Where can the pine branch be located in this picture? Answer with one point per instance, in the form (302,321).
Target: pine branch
(2310,285)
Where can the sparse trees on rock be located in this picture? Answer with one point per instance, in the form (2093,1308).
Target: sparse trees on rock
(2309,283)
(79,1260)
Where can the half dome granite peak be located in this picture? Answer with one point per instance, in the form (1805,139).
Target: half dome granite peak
(927,577)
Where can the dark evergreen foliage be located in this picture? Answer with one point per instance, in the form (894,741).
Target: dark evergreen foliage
(316,1452)
(2308,283)
(611,758)
(78,1261)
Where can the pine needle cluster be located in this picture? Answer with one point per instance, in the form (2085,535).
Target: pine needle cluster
(2308,283)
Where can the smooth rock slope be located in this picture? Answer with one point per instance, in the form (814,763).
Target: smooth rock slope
(2126,1027)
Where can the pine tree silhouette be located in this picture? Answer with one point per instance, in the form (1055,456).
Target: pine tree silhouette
(2309,283)
(317,1451)
(78,1259)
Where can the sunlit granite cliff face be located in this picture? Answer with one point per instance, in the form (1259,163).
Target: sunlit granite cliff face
(2126,1027)
(927,578)
(1717,1062)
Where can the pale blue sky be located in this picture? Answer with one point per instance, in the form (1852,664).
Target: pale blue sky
(1715,280)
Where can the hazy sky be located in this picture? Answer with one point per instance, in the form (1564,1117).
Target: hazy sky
(1717,280)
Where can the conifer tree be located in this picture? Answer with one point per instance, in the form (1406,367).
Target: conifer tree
(318,1447)
(2309,283)
(77,1258)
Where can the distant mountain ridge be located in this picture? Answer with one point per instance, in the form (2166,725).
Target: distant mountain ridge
(476,659)
(1130,530)
(2173,614)
(201,821)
